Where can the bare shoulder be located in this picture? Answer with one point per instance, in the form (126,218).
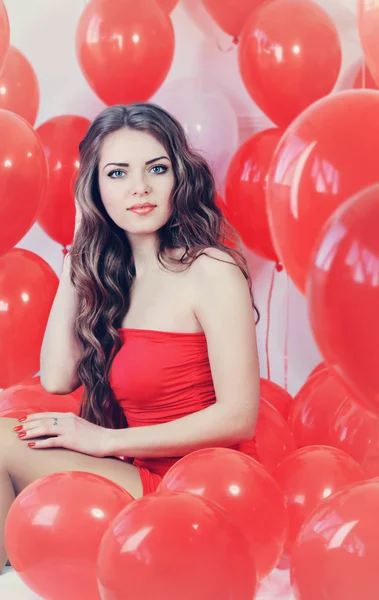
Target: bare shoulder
(218,287)
(215,253)
(216,264)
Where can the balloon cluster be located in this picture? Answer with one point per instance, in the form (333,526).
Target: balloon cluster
(216,510)
(306,194)
(334,543)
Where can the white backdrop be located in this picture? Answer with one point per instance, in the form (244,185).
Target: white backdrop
(44,30)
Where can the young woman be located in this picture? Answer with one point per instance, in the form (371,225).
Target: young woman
(153,315)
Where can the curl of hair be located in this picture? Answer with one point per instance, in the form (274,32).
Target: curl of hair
(102,268)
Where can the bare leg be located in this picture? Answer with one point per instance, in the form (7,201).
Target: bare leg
(6,498)
(20,466)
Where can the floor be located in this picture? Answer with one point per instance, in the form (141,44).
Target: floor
(274,587)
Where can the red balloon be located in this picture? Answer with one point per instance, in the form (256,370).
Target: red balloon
(246,184)
(277,396)
(336,555)
(19,86)
(289,57)
(23,178)
(368,23)
(329,153)
(318,368)
(167,5)
(54,529)
(273,437)
(244,489)
(18,413)
(323,413)
(343,293)
(60,137)
(24,396)
(27,289)
(35,380)
(77,394)
(356,431)
(231,15)
(313,412)
(310,475)
(4,33)
(174,545)
(114,47)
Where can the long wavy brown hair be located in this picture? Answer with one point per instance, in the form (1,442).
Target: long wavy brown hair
(102,266)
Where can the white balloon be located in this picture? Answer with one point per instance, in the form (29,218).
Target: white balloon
(208,118)
(198,14)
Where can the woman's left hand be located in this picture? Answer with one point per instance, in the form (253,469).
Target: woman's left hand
(68,431)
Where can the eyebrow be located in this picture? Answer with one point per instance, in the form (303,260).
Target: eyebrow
(122,164)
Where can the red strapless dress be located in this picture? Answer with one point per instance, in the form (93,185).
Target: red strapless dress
(159,376)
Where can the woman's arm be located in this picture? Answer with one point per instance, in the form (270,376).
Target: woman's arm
(222,304)
(61,351)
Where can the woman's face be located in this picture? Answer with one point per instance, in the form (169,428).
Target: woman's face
(135,168)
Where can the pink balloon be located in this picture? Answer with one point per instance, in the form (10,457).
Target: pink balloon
(208,119)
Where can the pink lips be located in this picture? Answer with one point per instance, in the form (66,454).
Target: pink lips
(143,210)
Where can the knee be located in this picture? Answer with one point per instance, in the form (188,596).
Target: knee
(7,424)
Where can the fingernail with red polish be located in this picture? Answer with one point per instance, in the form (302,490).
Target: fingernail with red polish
(22,419)
(21,435)
(18,428)
(31,444)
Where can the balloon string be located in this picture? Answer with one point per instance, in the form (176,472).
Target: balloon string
(269,303)
(65,251)
(364,80)
(286,333)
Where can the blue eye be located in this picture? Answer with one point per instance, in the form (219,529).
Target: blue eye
(164,169)
(116,174)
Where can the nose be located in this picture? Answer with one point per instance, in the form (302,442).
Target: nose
(140,187)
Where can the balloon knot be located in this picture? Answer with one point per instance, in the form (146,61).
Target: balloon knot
(279,267)
(229,48)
